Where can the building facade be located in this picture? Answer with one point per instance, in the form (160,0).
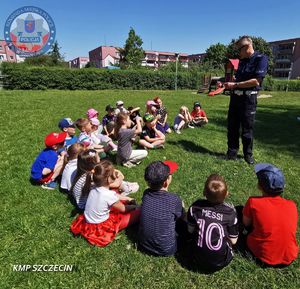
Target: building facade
(157,58)
(104,56)
(79,62)
(196,58)
(286,55)
(6,54)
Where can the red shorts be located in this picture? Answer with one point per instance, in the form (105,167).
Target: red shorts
(46,178)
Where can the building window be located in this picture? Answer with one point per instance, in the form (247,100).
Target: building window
(11,57)
(1,47)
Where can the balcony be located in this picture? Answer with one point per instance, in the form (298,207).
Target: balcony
(285,60)
(282,69)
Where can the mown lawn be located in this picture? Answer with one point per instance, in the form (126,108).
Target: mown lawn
(35,222)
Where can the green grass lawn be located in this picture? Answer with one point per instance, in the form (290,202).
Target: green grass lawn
(35,222)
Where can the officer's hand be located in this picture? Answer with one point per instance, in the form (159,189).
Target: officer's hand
(229,85)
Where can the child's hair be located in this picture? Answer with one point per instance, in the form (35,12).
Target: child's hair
(156,174)
(102,172)
(85,165)
(215,189)
(183,109)
(121,120)
(156,98)
(81,123)
(74,150)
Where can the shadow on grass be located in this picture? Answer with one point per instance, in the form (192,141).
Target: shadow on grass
(275,126)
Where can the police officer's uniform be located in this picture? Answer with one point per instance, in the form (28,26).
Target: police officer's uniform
(242,107)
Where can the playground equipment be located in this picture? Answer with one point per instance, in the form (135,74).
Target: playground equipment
(230,69)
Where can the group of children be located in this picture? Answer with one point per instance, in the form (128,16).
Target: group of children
(210,228)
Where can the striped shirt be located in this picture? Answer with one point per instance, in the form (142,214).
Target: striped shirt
(159,212)
(77,192)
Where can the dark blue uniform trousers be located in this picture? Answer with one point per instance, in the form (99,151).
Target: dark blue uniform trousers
(241,114)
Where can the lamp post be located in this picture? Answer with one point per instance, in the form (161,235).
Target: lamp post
(176,69)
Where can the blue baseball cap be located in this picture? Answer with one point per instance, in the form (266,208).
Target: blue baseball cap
(270,177)
(65,123)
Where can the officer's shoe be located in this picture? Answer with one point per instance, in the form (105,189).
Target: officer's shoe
(249,159)
(230,157)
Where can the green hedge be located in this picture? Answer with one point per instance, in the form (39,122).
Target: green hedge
(280,85)
(20,76)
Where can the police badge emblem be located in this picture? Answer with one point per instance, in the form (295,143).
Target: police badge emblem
(29,31)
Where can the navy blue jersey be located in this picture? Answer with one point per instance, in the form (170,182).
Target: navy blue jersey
(159,212)
(255,66)
(212,225)
(146,131)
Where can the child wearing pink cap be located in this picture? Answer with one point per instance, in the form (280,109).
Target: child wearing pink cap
(101,139)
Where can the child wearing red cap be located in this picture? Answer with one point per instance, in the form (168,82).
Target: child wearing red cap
(48,164)
(273,219)
(160,211)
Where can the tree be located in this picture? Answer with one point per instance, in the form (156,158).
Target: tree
(55,54)
(259,44)
(132,54)
(216,56)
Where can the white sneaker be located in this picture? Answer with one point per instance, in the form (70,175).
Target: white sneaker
(129,188)
(190,126)
(298,118)
(115,150)
(178,131)
(129,165)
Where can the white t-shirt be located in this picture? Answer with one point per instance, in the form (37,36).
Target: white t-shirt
(68,175)
(98,205)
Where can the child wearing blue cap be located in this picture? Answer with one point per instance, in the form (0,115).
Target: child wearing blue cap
(273,219)
(68,126)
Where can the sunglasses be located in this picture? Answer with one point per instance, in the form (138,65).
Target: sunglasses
(240,48)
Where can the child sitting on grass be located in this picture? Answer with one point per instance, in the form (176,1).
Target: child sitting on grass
(213,225)
(85,126)
(160,210)
(273,219)
(93,114)
(48,164)
(108,121)
(68,126)
(120,107)
(101,139)
(162,116)
(71,165)
(124,134)
(182,120)
(198,115)
(106,212)
(151,137)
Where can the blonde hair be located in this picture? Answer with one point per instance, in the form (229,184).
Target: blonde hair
(82,123)
(121,120)
(215,189)
(183,109)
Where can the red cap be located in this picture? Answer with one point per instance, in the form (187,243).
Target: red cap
(54,138)
(173,166)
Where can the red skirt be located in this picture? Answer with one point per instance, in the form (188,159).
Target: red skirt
(98,234)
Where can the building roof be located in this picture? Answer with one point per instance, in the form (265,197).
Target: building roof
(234,63)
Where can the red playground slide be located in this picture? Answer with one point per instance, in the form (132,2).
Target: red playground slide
(217,91)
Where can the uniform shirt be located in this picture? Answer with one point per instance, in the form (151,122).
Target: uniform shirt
(98,205)
(256,66)
(163,113)
(213,224)
(68,175)
(46,159)
(274,221)
(124,143)
(159,212)
(147,132)
(200,113)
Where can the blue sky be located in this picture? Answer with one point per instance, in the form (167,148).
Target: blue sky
(178,26)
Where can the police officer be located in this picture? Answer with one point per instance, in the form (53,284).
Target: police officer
(252,68)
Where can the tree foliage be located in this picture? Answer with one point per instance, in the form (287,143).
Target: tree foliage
(216,56)
(132,54)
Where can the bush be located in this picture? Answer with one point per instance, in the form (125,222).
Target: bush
(20,76)
(280,84)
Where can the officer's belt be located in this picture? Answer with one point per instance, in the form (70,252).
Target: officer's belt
(245,92)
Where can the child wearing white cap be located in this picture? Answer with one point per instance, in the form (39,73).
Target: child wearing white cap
(120,107)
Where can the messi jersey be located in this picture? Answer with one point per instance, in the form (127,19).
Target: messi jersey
(212,225)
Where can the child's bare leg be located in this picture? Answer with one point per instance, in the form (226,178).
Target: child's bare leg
(58,167)
(146,144)
(180,125)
